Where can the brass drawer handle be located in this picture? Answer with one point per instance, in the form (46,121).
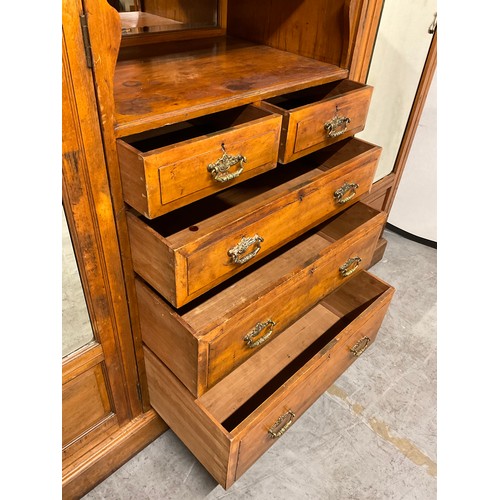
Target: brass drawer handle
(350,266)
(332,126)
(244,244)
(256,330)
(277,429)
(343,190)
(360,346)
(219,169)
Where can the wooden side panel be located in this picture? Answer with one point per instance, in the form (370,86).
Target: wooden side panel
(133,177)
(205,437)
(311,28)
(151,257)
(85,403)
(164,332)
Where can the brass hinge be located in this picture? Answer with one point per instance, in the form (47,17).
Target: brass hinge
(139,391)
(86,39)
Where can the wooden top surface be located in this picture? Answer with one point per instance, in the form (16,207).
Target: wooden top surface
(197,77)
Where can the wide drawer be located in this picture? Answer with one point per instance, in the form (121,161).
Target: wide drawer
(173,166)
(232,424)
(204,341)
(316,117)
(187,252)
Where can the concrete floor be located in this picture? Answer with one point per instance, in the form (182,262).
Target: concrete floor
(372,435)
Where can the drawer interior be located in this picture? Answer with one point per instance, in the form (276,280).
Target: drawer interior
(169,135)
(212,307)
(339,309)
(314,94)
(194,217)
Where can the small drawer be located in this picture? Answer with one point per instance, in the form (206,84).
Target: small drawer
(188,252)
(235,422)
(316,117)
(204,341)
(173,166)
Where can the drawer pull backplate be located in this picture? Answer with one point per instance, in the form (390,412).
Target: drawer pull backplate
(245,243)
(220,168)
(349,266)
(332,126)
(248,338)
(278,429)
(360,346)
(343,190)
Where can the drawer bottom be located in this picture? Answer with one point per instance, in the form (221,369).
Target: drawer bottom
(232,424)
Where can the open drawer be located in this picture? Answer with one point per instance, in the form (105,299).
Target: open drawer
(318,116)
(232,424)
(187,252)
(173,166)
(208,338)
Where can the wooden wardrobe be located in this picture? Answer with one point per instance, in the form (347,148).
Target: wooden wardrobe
(209,172)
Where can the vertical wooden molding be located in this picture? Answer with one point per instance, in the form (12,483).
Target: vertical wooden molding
(88,208)
(413,121)
(354,11)
(365,43)
(105,37)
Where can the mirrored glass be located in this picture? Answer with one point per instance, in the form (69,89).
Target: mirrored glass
(76,326)
(149,16)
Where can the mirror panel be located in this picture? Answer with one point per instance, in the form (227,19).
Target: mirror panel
(151,16)
(76,326)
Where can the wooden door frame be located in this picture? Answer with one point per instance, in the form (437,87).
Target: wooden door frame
(99,450)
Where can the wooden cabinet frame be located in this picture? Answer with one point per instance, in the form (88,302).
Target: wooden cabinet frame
(94,204)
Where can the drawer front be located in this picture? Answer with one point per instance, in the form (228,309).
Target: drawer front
(287,404)
(259,323)
(162,180)
(310,127)
(270,227)
(235,156)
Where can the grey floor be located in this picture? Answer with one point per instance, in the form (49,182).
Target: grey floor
(371,436)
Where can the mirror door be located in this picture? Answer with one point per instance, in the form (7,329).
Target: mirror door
(99,371)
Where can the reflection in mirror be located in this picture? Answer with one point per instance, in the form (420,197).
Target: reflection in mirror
(76,327)
(146,16)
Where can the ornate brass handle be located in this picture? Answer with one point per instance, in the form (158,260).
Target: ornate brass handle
(256,330)
(360,346)
(332,126)
(277,429)
(349,266)
(343,190)
(219,169)
(244,244)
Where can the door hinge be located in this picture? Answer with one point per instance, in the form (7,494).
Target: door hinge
(139,391)
(86,39)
